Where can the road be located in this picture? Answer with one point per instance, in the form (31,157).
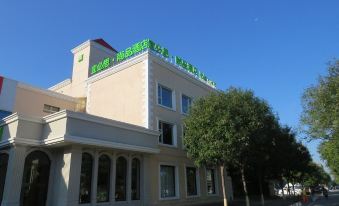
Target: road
(333,200)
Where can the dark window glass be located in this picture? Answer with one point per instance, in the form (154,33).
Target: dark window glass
(164,96)
(50,108)
(166,133)
(86,178)
(185,103)
(210,179)
(103,185)
(35,179)
(191,178)
(3,172)
(167,181)
(120,180)
(135,179)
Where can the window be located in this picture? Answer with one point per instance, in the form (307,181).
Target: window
(3,172)
(120,179)
(191,181)
(135,179)
(85,178)
(185,104)
(103,185)
(34,188)
(210,181)
(183,132)
(167,181)
(50,109)
(166,133)
(165,96)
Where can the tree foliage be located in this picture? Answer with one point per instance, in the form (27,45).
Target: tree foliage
(321,115)
(226,128)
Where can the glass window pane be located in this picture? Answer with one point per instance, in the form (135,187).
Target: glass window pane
(167,181)
(191,178)
(3,172)
(34,188)
(164,96)
(135,179)
(166,133)
(186,103)
(85,178)
(120,179)
(210,179)
(104,170)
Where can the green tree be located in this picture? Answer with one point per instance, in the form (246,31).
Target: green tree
(321,115)
(220,128)
(329,151)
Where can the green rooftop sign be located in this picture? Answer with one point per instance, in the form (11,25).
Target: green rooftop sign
(142,46)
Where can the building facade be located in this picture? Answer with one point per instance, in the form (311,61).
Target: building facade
(112,134)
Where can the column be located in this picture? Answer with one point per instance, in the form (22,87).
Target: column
(129,178)
(95,178)
(146,180)
(13,182)
(113,171)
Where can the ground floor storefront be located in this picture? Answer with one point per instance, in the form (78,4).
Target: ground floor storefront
(62,161)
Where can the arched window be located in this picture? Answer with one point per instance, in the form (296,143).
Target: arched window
(86,178)
(120,179)
(3,171)
(104,170)
(135,179)
(35,179)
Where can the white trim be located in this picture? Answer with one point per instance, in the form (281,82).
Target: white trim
(91,118)
(174,133)
(173,108)
(113,145)
(176,176)
(176,69)
(16,117)
(197,180)
(61,84)
(47,92)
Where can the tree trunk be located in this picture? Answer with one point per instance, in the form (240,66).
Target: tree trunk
(293,187)
(244,185)
(223,182)
(288,187)
(261,191)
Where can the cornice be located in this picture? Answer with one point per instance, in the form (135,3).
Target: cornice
(119,67)
(61,84)
(47,92)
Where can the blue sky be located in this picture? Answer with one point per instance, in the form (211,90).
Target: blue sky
(276,48)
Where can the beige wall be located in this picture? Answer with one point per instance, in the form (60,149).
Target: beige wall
(179,85)
(31,101)
(119,96)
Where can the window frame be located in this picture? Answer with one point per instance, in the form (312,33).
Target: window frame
(176,181)
(197,181)
(173,108)
(216,190)
(174,133)
(181,103)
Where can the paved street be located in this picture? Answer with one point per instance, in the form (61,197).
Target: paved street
(333,200)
